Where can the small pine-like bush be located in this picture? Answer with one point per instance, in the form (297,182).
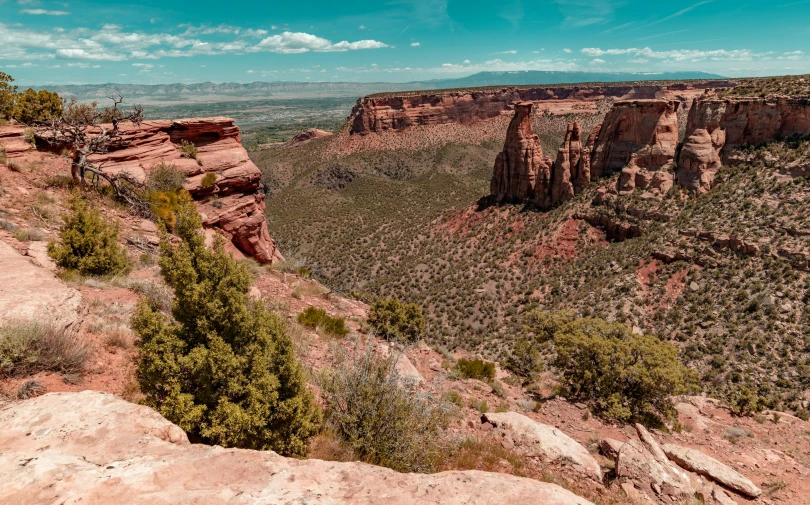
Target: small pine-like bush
(208,180)
(396,321)
(319,320)
(475,369)
(188,150)
(88,243)
(222,367)
(381,417)
(35,107)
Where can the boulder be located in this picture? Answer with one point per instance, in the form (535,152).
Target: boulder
(546,442)
(97,449)
(695,461)
(31,292)
(644,463)
(521,171)
(610,447)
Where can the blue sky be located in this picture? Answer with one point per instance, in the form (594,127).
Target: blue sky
(160,41)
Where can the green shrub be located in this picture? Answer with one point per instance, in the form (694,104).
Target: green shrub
(30,347)
(525,360)
(208,180)
(396,321)
(165,177)
(744,401)
(222,367)
(317,319)
(35,107)
(188,150)
(87,243)
(475,369)
(380,416)
(620,375)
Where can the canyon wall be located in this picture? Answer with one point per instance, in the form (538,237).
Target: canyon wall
(382,113)
(233,204)
(717,127)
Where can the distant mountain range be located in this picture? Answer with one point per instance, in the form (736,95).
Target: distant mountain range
(157,94)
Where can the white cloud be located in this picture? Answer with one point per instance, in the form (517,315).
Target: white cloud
(466,62)
(251,71)
(44,12)
(597,61)
(415,44)
(299,42)
(510,51)
(111,43)
(566,50)
(362,27)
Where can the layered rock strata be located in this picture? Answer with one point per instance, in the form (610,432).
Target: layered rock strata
(715,128)
(638,138)
(394,112)
(233,204)
(94,448)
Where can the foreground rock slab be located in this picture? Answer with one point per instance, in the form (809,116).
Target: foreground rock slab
(30,292)
(695,461)
(94,448)
(545,442)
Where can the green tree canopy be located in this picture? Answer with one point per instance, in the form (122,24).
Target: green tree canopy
(8,93)
(222,366)
(33,107)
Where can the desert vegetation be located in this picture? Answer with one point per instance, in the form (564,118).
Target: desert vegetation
(220,365)
(88,244)
(379,415)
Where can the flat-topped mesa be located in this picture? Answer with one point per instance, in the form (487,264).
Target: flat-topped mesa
(520,171)
(238,211)
(717,127)
(380,113)
(640,139)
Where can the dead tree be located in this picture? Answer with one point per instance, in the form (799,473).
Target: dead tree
(85,130)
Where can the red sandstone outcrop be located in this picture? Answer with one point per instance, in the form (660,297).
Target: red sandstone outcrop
(521,171)
(307,136)
(379,113)
(238,209)
(638,138)
(722,126)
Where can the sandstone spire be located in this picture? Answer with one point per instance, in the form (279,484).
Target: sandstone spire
(520,169)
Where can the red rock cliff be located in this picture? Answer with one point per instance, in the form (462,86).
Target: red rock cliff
(381,113)
(640,139)
(717,127)
(233,205)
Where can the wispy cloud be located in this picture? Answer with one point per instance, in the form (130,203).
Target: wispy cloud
(44,12)
(415,44)
(681,55)
(581,13)
(680,12)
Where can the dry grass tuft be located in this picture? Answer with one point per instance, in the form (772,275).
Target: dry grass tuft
(28,347)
